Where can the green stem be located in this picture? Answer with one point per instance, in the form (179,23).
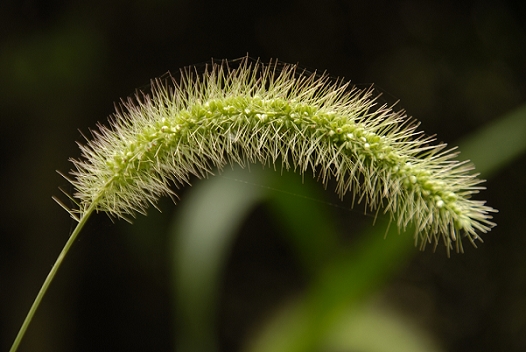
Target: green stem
(51,275)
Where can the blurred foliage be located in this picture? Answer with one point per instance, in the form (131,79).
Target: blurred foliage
(498,144)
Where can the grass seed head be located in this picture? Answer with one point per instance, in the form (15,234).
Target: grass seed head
(246,111)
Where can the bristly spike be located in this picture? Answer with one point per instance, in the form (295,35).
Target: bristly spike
(245,111)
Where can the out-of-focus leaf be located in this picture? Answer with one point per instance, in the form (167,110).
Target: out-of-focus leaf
(344,283)
(494,146)
(308,224)
(375,328)
(202,233)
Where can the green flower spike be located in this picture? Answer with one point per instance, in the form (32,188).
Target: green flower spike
(245,111)
(274,113)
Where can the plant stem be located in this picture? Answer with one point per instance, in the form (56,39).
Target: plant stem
(51,275)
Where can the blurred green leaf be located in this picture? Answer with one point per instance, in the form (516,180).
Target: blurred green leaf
(202,234)
(344,283)
(496,145)
(361,327)
(307,222)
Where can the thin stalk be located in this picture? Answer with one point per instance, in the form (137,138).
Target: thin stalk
(51,275)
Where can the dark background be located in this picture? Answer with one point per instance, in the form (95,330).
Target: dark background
(454,66)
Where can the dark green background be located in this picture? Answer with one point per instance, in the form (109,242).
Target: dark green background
(455,66)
